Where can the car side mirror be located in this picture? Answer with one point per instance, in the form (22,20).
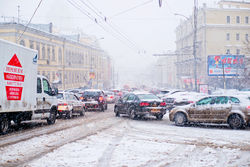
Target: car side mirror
(54,91)
(193,105)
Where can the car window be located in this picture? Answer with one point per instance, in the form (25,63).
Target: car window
(234,100)
(39,85)
(125,97)
(204,101)
(147,96)
(131,97)
(220,100)
(91,93)
(46,87)
(59,96)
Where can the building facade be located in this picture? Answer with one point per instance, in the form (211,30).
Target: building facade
(66,62)
(221,30)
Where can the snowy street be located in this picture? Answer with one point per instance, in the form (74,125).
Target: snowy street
(101,139)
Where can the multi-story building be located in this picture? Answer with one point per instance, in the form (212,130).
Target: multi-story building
(221,30)
(66,61)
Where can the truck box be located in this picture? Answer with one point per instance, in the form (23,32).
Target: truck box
(18,69)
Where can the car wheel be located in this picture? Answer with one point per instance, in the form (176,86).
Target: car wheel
(4,124)
(159,117)
(52,117)
(117,114)
(69,114)
(106,106)
(235,121)
(102,108)
(132,114)
(82,112)
(180,119)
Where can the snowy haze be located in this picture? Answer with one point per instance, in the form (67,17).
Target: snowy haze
(148,29)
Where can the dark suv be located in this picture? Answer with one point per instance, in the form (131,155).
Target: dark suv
(139,105)
(94,99)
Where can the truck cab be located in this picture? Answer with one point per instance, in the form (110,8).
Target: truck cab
(46,101)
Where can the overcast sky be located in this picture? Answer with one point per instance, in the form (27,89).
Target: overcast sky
(146,29)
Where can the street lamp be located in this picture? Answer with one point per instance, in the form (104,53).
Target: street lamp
(194,26)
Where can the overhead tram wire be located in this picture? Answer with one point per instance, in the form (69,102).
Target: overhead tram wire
(94,19)
(107,22)
(29,20)
(127,10)
(104,18)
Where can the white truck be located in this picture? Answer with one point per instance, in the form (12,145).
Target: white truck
(24,95)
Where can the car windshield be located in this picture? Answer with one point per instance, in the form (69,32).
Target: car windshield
(59,96)
(91,93)
(147,97)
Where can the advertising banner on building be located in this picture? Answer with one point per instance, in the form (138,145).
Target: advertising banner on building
(230,65)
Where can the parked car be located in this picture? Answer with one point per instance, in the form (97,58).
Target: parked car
(181,99)
(69,105)
(94,99)
(233,110)
(110,96)
(139,105)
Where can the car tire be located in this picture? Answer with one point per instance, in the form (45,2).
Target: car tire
(132,114)
(159,117)
(52,117)
(4,124)
(106,106)
(102,108)
(235,121)
(82,112)
(117,113)
(69,114)
(180,119)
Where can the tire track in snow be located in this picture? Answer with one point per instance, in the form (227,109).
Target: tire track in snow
(104,161)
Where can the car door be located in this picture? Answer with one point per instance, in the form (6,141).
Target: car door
(129,102)
(200,112)
(121,103)
(77,104)
(220,108)
(48,98)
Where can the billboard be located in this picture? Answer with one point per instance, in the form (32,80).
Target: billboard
(233,65)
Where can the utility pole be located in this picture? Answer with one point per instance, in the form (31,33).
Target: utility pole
(194,43)
(18,14)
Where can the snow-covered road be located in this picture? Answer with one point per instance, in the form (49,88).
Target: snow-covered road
(119,141)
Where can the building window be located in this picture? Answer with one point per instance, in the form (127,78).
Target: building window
(22,43)
(228,52)
(53,54)
(237,36)
(237,51)
(60,55)
(43,52)
(31,44)
(237,19)
(228,36)
(38,49)
(48,52)
(246,19)
(228,19)
(246,37)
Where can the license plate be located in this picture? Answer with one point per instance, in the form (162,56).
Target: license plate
(155,110)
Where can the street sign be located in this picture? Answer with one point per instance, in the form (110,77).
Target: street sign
(227,65)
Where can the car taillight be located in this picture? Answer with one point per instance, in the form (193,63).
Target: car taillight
(81,98)
(100,98)
(190,101)
(163,104)
(248,107)
(111,97)
(62,104)
(144,104)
